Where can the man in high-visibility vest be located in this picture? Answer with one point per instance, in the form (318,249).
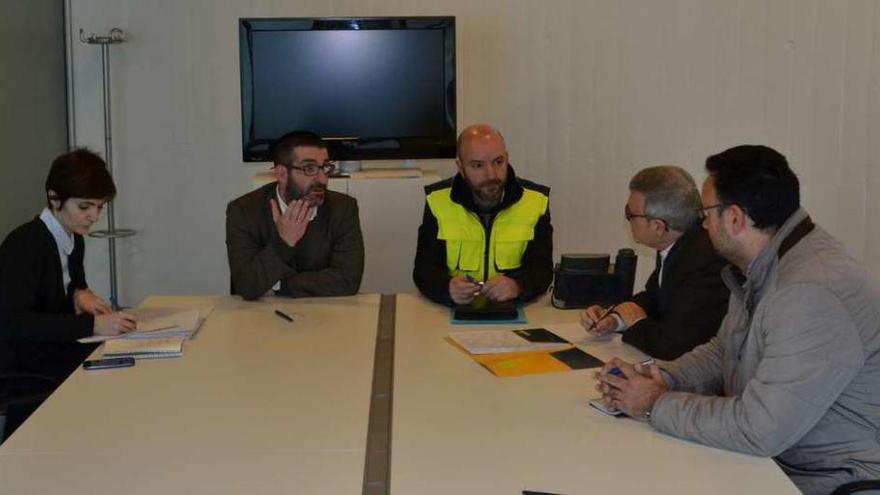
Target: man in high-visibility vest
(485,230)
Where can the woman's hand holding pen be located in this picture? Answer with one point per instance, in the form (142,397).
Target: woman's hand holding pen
(115,323)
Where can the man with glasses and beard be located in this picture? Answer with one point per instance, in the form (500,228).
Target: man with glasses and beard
(484,231)
(794,372)
(294,237)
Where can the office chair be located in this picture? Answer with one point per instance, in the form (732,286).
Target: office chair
(856,487)
(20,395)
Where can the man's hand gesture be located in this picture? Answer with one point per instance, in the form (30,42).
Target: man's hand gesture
(292,223)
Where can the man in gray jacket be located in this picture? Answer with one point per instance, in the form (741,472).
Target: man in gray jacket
(794,372)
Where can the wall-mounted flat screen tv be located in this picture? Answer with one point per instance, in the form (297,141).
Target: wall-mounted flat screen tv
(374,87)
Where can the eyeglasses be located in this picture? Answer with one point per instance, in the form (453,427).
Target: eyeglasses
(704,211)
(311,169)
(629,215)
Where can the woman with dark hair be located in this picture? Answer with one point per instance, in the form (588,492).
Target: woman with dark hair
(45,304)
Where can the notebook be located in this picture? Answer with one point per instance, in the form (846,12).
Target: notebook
(166,347)
(482,309)
(168,322)
(153,323)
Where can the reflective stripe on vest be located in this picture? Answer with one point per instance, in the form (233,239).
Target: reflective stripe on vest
(512,230)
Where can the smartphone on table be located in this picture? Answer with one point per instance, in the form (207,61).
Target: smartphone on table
(107,363)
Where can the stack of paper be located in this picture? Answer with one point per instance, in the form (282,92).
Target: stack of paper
(165,322)
(155,323)
(498,341)
(508,353)
(166,347)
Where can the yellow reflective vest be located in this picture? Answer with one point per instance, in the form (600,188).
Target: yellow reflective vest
(465,237)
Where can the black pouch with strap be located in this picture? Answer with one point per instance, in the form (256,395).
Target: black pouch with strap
(581,280)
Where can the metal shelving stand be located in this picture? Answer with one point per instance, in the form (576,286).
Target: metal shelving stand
(115,36)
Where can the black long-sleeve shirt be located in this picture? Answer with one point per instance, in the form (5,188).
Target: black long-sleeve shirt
(38,324)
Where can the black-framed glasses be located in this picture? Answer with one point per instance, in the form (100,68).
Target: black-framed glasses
(312,169)
(704,211)
(629,215)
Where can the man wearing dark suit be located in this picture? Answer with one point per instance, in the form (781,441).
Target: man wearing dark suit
(293,237)
(684,300)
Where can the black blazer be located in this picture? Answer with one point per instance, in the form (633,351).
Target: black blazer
(327,261)
(687,309)
(38,325)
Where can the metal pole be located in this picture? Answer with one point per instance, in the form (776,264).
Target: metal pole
(108,152)
(115,36)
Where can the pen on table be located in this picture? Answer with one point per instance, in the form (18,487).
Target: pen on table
(283,315)
(601,317)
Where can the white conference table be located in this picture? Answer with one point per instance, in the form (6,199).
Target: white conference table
(459,429)
(256,405)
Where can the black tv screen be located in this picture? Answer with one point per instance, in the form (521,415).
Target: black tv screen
(375,88)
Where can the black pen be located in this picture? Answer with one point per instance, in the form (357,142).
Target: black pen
(602,316)
(283,315)
(473,281)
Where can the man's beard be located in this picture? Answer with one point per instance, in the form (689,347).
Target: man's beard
(487,193)
(727,247)
(293,192)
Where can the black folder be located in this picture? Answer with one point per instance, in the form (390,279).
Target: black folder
(484,309)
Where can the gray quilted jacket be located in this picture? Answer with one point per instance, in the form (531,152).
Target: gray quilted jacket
(794,372)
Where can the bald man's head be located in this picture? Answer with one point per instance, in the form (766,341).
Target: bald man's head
(478,132)
(482,162)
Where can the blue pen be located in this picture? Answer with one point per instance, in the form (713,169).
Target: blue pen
(618,372)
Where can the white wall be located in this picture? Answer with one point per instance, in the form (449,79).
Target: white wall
(586,93)
(33,105)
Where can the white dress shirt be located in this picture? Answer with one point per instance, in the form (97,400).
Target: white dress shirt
(621,326)
(63,241)
(663,255)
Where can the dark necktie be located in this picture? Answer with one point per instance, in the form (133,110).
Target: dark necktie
(658,267)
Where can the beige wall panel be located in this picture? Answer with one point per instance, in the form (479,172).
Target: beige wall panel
(586,93)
